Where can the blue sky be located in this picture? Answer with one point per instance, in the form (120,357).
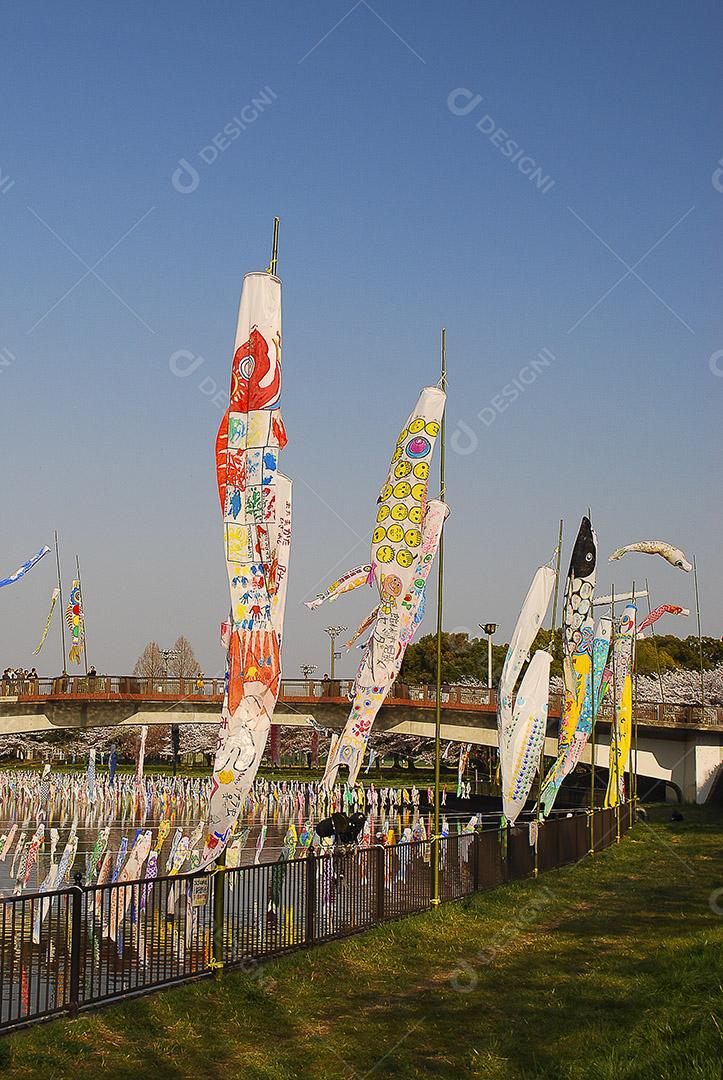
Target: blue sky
(400,214)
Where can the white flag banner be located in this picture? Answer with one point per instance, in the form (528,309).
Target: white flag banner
(528,624)
(526,735)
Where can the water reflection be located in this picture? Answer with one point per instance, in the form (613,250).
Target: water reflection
(56,827)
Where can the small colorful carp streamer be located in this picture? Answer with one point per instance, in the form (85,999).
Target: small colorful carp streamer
(76,623)
(68,857)
(44,793)
(132,871)
(97,853)
(462,765)
(404,543)
(26,867)
(120,858)
(352,579)
(53,602)
(112,764)
(141,754)
(91,775)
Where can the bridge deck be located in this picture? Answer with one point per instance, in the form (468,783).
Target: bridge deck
(191,696)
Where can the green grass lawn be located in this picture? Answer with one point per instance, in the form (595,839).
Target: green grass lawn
(609,970)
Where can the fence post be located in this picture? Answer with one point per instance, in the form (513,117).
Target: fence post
(219,911)
(310,898)
(503,837)
(477,862)
(380,854)
(76,901)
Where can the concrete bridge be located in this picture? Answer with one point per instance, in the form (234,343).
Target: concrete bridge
(679,745)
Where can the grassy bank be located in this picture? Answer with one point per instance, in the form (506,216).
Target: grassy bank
(610,969)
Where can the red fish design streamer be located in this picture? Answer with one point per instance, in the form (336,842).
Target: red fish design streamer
(658,612)
(256,508)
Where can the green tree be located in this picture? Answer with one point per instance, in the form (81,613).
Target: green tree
(464,660)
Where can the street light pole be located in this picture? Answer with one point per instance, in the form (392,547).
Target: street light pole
(489,629)
(333,632)
(307,670)
(168,655)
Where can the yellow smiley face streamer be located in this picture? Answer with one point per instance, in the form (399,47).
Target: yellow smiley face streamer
(404,542)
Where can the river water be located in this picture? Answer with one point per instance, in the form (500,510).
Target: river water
(173,809)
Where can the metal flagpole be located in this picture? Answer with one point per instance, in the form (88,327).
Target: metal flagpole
(274,248)
(60,597)
(614,733)
(628,792)
(551,650)
(700,637)
(440,578)
(655,647)
(592,727)
(634,676)
(82,612)
(614,722)
(593,723)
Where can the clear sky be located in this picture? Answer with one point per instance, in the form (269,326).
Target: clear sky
(381,136)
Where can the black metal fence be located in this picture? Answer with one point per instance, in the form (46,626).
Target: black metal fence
(64,951)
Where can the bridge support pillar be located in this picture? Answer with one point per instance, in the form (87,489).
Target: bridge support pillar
(275,752)
(698,766)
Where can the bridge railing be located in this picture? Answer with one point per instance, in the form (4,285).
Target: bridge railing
(161,687)
(112,686)
(74,948)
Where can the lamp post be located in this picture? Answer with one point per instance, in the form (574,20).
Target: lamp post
(168,656)
(333,632)
(307,670)
(489,629)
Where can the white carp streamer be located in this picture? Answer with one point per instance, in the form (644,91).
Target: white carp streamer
(256,508)
(669,552)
